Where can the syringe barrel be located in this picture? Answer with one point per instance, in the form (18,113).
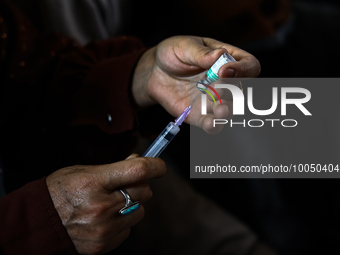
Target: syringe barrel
(162,141)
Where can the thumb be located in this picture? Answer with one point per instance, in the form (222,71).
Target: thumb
(200,54)
(133,155)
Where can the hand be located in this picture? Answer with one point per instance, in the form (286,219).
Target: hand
(88,200)
(163,76)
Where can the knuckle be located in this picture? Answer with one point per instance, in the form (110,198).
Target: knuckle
(202,53)
(141,168)
(98,210)
(85,181)
(144,163)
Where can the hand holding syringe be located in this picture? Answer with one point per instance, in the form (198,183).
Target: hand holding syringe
(172,128)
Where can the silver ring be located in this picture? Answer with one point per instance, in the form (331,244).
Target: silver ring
(130,206)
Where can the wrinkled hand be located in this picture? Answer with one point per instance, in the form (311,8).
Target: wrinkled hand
(163,76)
(88,200)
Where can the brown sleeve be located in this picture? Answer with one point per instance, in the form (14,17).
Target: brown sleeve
(70,85)
(93,86)
(49,84)
(30,224)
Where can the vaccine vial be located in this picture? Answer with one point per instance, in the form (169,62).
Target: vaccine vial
(212,74)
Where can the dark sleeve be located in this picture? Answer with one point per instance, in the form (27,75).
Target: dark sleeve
(30,224)
(74,85)
(92,86)
(49,84)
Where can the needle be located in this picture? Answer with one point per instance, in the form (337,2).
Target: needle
(192,104)
(168,133)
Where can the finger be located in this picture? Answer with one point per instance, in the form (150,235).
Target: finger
(246,67)
(215,44)
(130,171)
(130,220)
(207,124)
(218,95)
(193,51)
(218,111)
(204,122)
(138,192)
(117,240)
(246,64)
(221,111)
(122,236)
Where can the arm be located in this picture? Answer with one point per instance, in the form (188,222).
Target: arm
(77,211)
(30,223)
(54,93)
(28,219)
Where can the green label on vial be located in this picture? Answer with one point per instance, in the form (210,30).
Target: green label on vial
(212,76)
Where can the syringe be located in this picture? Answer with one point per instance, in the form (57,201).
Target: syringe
(168,134)
(172,128)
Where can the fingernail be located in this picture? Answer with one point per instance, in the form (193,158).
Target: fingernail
(133,155)
(229,72)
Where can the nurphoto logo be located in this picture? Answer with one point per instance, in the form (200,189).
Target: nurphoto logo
(239,105)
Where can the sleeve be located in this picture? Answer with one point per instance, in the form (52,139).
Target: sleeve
(52,85)
(75,85)
(30,224)
(93,86)
(49,83)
